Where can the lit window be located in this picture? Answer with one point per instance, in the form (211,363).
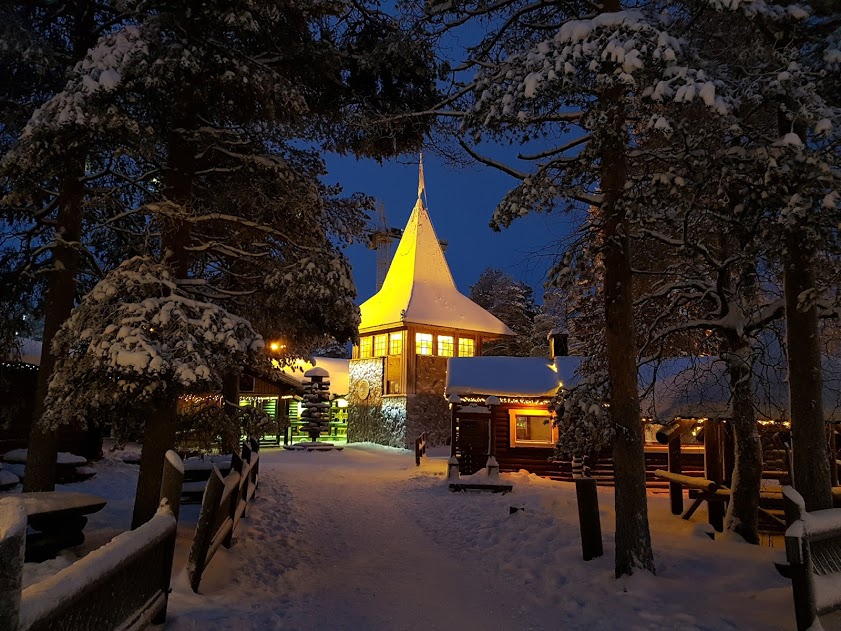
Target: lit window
(395,345)
(445,345)
(364,347)
(465,347)
(380,343)
(531,428)
(423,343)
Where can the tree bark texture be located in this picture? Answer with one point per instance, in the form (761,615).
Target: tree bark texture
(60,293)
(230,401)
(159,431)
(633,539)
(743,511)
(808,431)
(158,438)
(58,303)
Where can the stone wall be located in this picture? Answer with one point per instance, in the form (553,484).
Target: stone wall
(372,417)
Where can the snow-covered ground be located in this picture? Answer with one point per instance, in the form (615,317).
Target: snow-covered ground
(364,540)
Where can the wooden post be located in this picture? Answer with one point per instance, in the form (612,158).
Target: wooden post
(12,544)
(713,469)
(454,403)
(204,529)
(245,481)
(833,458)
(172,479)
(171,482)
(233,500)
(798,555)
(674,466)
(588,518)
(255,450)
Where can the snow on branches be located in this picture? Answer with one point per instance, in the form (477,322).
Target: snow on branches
(138,335)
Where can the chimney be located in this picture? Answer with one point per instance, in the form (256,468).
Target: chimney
(558,344)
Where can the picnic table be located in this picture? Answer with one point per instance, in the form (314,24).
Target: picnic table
(59,519)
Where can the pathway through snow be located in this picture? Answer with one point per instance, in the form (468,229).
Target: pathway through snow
(362,540)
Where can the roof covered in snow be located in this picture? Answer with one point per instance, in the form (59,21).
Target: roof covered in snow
(510,376)
(419,288)
(700,387)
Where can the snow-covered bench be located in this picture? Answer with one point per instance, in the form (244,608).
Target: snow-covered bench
(59,519)
(122,585)
(813,550)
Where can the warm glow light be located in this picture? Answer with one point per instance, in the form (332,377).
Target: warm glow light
(342,403)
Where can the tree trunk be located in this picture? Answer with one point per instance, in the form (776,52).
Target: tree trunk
(808,430)
(158,437)
(743,511)
(58,303)
(175,235)
(230,399)
(633,539)
(60,294)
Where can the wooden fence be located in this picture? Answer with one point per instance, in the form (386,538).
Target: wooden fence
(122,585)
(420,448)
(224,503)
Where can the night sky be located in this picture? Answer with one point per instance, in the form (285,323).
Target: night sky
(461,203)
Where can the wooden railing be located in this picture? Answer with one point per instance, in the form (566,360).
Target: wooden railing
(420,448)
(813,550)
(124,584)
(224,503)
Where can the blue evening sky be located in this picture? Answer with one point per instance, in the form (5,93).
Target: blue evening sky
(461,203)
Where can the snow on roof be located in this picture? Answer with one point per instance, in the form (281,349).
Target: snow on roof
(419,287)
(700,387)
(510,376)
(338,369)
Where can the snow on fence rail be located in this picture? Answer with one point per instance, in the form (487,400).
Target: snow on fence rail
(223,505)
(122,585)
(813,550)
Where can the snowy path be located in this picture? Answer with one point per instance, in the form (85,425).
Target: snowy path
(362,540)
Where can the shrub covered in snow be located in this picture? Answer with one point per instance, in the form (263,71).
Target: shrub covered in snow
(138,336)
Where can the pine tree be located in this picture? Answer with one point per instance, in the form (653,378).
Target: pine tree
(316,403)
(512,302)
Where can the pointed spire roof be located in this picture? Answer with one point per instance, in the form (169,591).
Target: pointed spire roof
(419,288)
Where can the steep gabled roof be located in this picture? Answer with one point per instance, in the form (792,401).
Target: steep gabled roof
(419,288)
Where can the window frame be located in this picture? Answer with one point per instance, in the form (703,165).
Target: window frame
(379,350)
(513,413)
(366,341)
(431,342)
(398,342)
(472,346)
(452,343)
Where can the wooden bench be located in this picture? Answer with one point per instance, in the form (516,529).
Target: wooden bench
(59,519)
(813,551)
(493,488)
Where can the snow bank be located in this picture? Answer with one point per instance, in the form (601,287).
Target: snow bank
(18,456)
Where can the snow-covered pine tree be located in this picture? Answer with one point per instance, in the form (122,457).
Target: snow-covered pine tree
(42,199)
(316,403)
(138,339)
(512,302)
(551,317)
(590,75)
(204,102)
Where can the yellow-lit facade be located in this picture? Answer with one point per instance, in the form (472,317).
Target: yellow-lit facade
(400,348)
